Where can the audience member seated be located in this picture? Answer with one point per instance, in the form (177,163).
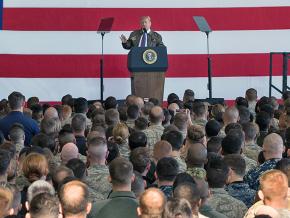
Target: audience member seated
(121,202)
(16,102)
(220,200)
(120,137)
(98,172)
(152,204)
(166,171)
(272,151)
(137,139)
(236,187)
(214,144)
(76,204)
(263,120)
(175,138)
(200,113)
(133,113)
(176,208)
(78,125)
(195,160)
(212,128)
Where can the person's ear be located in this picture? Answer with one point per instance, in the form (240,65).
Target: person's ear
(27,205)
(110,179)
(155,175)
(261,195)
(133,178)
(89,207)
(27,215)
(11,212)
(139,211)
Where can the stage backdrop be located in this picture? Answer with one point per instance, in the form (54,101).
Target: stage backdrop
(49,48)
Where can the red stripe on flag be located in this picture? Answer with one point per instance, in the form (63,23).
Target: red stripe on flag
(62,66)
(166,19)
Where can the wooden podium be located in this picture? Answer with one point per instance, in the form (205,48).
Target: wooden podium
(148,66)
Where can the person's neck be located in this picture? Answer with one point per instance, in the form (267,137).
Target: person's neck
(18,110)
(84,215)
(124,188)
(277,204)
(200,118)
(156,124)
(97,162)
(164,183)
(79,133)
(195,166)
(235,178)
(175,153)
(278,156)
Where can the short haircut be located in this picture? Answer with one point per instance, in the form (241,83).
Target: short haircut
(167,169)
(97,147)
(78,167)
(5,159)
(196,155)
(195,133)
(175,138)
(214,144)
(274,185)
(217,173)
(6,200)
(16,132)
(141,123)
(37,187)
(37,111)
(241,101)
(44,141)
(44,205)
(263,120)
(212,128)
(50,126)
(180,120)
(250,130)
(32,101)
(65,136)
(156,114)
(112,117)
(137,139)
(60,174)
(172,98)
(251,94)
(78,122)
(133,111)
(188,95)
(237,163)
(140,158)
(284,166)
(110,102)
(188,191)
(199,108)
(162,149)
(16,99)
(65,100)
(231,144)
(178,208)
(232,126)
(80,105)
(182,178)
(245,114)
(74,197)
(34,167)
(121,171)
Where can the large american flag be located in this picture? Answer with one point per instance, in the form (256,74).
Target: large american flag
(49,48)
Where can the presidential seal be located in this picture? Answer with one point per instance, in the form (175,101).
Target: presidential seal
(149,56)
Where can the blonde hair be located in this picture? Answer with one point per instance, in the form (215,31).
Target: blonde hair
(34,167)
(120,133)
(6,200)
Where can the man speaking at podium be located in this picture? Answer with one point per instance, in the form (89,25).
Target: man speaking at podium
(144,37)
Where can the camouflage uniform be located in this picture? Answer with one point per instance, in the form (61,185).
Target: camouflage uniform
(167,190)
(97,180)
(241,191)
(130,123)
(57,158)
(153,134)
(252,177)
(197,172)
(181,164)
(200,122)
(252,151)
(124,150)
(222,202)
(208,211)
(250,164)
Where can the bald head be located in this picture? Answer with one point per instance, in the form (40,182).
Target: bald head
(267,210)
(231,115)
(156,115)
(68,152)
(273,146)
(196,155)
(162,149)
(76,203)
(152,203)
(50,113)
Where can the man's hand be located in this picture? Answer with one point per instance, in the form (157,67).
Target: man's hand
(123,38)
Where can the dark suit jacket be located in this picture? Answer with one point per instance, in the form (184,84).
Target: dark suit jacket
(153,39)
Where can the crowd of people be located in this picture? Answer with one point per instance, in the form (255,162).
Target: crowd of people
(136,158)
